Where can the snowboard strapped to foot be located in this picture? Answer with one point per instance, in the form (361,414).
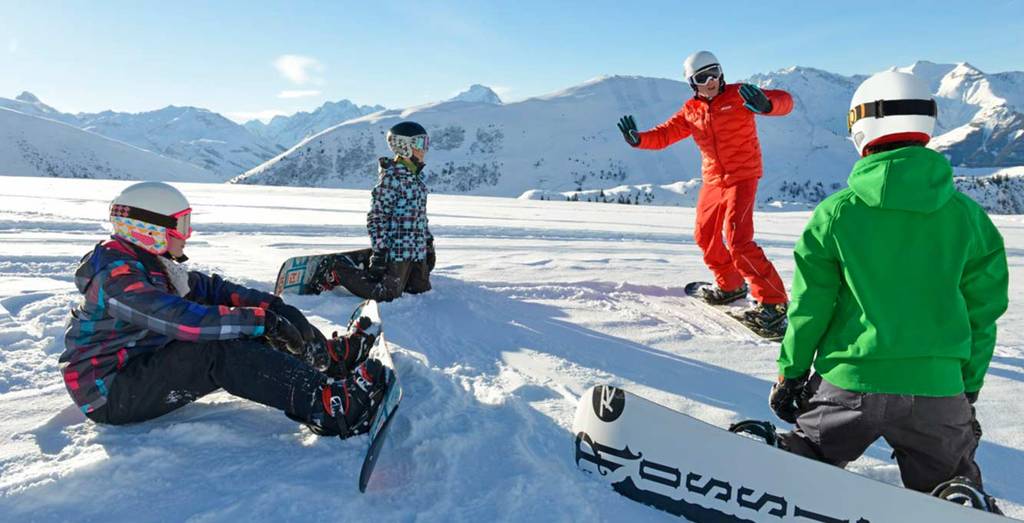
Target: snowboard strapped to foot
(769,330)
(675,463)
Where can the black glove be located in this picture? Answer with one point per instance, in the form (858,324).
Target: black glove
(628,128)
(295,317)
(975,425)
(378,264)
(787,397)
(431,255)
(755,99)
(281,334)
(972,396)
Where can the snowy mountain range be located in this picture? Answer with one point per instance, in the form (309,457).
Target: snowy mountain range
(197,136)
(290,130)
(33,146)
(565,145)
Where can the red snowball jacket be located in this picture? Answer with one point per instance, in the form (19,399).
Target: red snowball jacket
(725,132)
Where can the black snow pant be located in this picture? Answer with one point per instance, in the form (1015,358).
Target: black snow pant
(153,384)
(932,437)
(408,276)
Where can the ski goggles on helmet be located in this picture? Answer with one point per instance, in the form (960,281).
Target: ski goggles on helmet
(421,142)
(883,108)
(178,225)
(704,76)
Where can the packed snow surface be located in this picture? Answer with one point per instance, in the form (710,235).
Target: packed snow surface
(533,302)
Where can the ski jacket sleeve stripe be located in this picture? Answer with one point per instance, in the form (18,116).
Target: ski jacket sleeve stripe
(816,282)
(151,308)
(214,290)
(674,129)
(782,102)
(985,288)
(382,205)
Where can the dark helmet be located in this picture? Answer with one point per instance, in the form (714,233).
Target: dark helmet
(403,137)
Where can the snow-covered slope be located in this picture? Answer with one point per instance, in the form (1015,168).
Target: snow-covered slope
(32,146)
(567,142)
(193,135)
(533,302)
(290,130)
(558,142)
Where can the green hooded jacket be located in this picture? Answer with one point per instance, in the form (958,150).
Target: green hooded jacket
(899,282)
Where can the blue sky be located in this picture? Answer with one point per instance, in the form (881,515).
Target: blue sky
(246,59)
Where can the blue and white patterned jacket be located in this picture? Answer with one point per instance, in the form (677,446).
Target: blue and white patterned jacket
(397,221)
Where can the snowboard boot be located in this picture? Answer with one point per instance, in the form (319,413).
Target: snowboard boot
(761,431)
(348,351)
(963,491)
(716,296)
(353,402)
(767,316)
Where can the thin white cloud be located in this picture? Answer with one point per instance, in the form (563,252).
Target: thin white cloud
(298,94)
(300,70)
(12,46)
(264,116)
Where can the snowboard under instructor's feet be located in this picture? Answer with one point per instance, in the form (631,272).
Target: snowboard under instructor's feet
(354,401)
(716,296)
(768,316)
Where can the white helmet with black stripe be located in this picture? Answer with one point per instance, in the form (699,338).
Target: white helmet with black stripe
(891,107)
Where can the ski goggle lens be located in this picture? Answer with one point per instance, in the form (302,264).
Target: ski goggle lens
(183,227)
(421,142)
(705,75)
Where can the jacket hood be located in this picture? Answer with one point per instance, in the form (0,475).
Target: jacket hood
(915,179)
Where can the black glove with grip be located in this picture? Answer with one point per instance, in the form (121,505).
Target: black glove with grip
(788,397)
(378,264)
(295,317)
(282,335)
(627,126)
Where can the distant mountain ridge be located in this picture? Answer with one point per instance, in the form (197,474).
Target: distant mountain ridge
(565,143)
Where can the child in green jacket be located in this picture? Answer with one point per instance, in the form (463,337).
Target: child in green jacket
(899,281)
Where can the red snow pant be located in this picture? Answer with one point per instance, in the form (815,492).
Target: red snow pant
(738,258)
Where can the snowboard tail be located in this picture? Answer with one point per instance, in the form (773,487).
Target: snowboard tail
(304,275)
(673,462)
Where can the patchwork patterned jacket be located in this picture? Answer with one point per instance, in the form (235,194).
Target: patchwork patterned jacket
(129,308)
(397,221)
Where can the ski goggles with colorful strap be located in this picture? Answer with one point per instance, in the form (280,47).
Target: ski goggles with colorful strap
(883,108)
(178,225)
(704,76)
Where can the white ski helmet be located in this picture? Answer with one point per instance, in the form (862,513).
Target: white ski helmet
(891,107)
(698,62)
(146,213)
(403,137)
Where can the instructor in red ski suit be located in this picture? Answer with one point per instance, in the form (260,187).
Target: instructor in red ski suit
(720,118)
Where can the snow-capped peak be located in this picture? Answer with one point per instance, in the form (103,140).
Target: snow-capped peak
(27,97)
(477,93)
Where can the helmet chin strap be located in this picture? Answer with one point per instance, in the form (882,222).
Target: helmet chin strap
(177,259)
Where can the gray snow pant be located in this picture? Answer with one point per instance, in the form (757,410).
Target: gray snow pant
(932,437)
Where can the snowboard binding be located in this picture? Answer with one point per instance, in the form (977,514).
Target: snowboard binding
(761,431)
(349,351)
(963,491)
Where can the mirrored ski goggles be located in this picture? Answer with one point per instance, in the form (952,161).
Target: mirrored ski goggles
(702,77)
(178,225)
(421,142)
